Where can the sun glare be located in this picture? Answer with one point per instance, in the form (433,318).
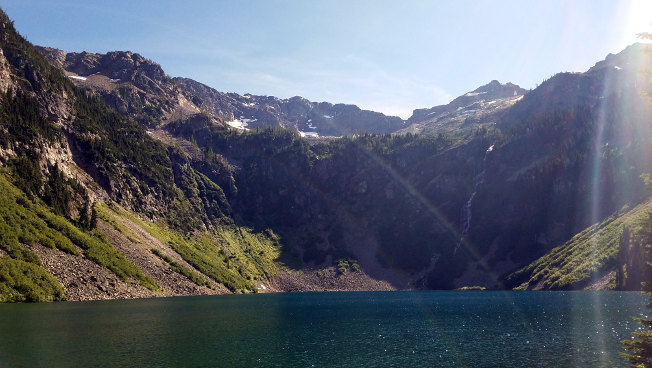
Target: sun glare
(639,21)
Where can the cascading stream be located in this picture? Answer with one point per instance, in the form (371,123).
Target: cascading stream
(466,210)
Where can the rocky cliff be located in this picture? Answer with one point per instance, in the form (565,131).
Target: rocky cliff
(130,84)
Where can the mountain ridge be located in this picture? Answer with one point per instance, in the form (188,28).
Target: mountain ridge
(105,72)
(479,108)
(310,119)
(137,179)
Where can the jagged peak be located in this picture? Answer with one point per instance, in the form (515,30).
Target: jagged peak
(116,65)
(495,87)
(113,62)
(493,90)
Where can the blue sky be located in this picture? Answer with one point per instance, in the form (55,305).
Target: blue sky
(387,56)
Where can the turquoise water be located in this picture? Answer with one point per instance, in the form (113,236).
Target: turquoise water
(358,329)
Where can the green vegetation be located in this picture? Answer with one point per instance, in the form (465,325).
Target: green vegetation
(406,191)
(105,215)
(282,178)
(110,140)
(176,267)
(472,288)
(23,122)
(200,202)
(226,259)
(640,346)
(587,254)
(29,222)
(402,192)
(231,255)
(131,166)
(98,249)
(22,281)
(346,265)
(27,176)
(25,132)
(21,222)
(57,195)
(144,108)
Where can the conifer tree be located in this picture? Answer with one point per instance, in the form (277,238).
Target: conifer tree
(84,214)
(93,220)
(57,195)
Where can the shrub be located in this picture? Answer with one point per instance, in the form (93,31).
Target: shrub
(22,281)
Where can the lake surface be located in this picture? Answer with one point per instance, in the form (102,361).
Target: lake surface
(357,329)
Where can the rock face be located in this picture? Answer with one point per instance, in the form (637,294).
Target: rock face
(122,66)
(132,85)
(309,118)
(481,107)
(139,89)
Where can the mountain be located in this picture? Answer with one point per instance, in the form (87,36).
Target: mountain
(606,255)
(119,181)
(440,212)
(128,83)
(311,119)
(480,107)
(139,89)
(93,207)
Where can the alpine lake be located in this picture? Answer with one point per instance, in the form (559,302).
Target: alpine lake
(349,329)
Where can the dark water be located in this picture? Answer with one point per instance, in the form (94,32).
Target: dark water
(388,329)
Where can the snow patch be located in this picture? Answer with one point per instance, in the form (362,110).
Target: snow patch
(617,67)
(308,134)
(328,116)
(471,94)
(247,121)
(240,124)
(77,77)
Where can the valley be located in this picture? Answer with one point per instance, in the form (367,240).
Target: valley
(121,182)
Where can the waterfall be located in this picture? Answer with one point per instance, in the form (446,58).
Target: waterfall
(466,210)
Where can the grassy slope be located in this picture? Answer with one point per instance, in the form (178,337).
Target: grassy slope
(26,222)
(592,251)
(231,255)
(109,217)
(22,281)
